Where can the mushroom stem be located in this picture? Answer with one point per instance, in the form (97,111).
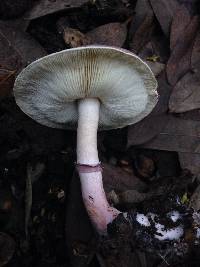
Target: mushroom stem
(94,198)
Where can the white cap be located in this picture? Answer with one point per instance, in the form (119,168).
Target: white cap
(48,89)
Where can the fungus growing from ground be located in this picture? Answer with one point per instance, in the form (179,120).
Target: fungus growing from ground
(88,88)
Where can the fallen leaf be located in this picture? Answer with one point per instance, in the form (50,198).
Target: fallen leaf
(142,34)
(7,78)
(11,9)
(180,60)
(156,67)
(75,38)
(195,58)
(164,12)
(144,166)
(113,34)
(179,24)
(178,135)
(190,161)
(142,9)
(115,178)
(127,197)
(141,26)
(153,124)
(186,93)
(25,46)
(195,199)
(46,7)
(7,245)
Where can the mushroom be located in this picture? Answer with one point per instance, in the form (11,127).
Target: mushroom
(88,88)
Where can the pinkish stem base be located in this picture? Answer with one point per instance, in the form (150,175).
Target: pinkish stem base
(97,206)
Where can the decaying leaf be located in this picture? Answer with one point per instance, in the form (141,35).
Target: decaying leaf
(142,34)
(195,59)
(6,81)
(164,12)
(32,175)
(75,38)
(11,9)
(115,178)
(17,50)
(7,245)
(190,161)
(113,34)
(156,67)
(142,9)
(46,7)
(180,22)
(152,125)
(127,197)
(186,93)
(195,199)
(178,135)
(180,59)
(27,48)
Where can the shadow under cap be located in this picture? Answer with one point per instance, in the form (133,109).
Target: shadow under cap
(48,89)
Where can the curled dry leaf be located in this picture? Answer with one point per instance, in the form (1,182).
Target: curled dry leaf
(26,47)
(127,197)
(17,49)
(7,245)
(46,7)
(141,26)
(115,178)
(186,94)
(195,59)
(164,12)
(195,200)
(113,34)
(11,9)
(156,67)
(75,38)
(178,135)
(180,60)
(153,124)
(142,34)
(6,81)
(190,161)
(179,23)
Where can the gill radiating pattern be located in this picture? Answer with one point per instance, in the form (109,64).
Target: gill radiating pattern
(49,88)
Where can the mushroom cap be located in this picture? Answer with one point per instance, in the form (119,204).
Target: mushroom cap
(48,89)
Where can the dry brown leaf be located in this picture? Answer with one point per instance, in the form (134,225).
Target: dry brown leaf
(190,161)
(180,60)
(153,124)
(46,7)
(186,93)
(26,47)
(179,23)
(141,26)
(7,245)
(6,82)
(17,49)
(164,12)
(113,34)
(142,34)
(178,135)
(115,178)
(156,67)
(75,38)
(195,59)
